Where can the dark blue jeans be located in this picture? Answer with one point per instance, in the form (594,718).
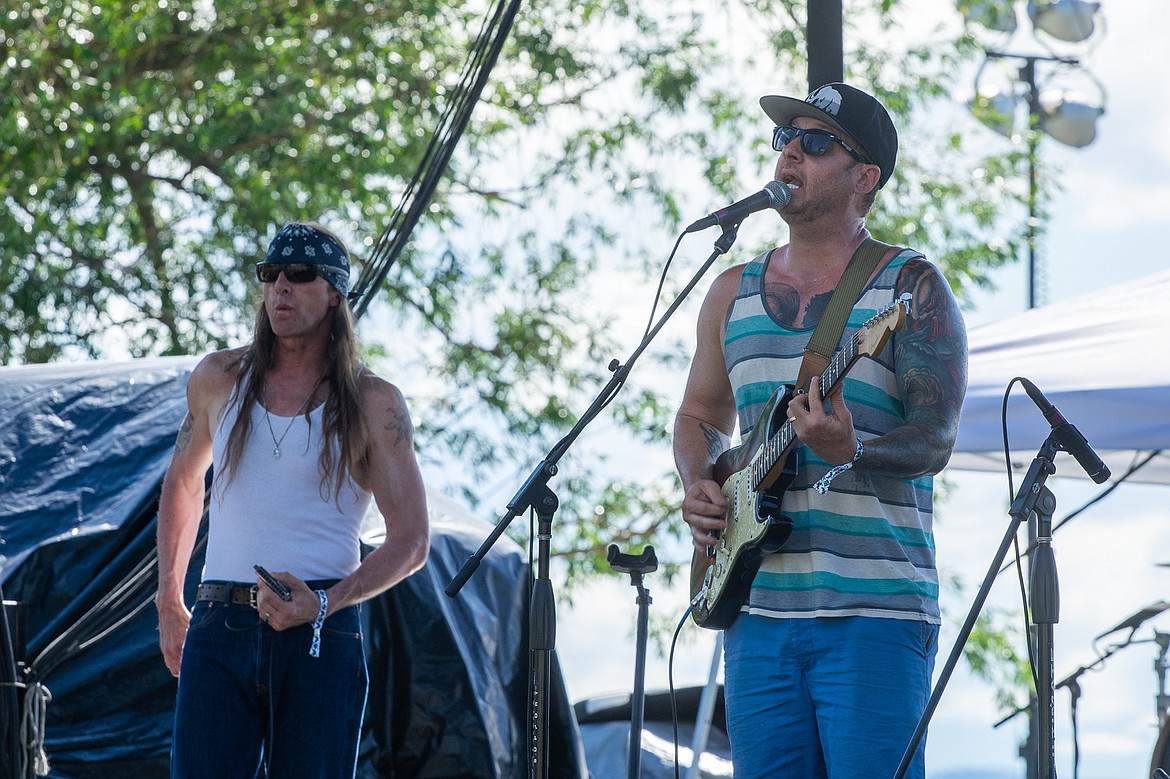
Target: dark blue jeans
(251,697)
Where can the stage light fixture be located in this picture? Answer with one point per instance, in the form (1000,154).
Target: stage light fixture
(1066,20)
(1062,114)
(995,109)
(1068,117)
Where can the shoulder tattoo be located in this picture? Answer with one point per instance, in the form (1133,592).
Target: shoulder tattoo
(932,349)
(398,423)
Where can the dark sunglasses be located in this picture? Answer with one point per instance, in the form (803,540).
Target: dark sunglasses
(814,142)
(297,272)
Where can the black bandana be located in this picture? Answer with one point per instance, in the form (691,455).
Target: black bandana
(302,243)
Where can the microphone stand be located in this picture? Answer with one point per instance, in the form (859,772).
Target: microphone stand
(1033,498)
(636,566)
(536,494)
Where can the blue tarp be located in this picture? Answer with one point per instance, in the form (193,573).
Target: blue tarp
(83,448)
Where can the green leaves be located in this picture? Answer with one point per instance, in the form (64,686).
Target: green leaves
(149,150)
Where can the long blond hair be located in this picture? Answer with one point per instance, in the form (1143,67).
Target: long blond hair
(342,419)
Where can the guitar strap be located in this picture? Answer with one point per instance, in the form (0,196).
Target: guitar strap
(825,338)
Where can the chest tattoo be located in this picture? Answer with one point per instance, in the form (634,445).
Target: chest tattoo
(783,303)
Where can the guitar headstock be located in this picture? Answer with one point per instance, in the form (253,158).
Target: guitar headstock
(872,336)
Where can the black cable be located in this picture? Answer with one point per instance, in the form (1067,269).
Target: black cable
(433,165)
(1016,540)
(661,283)
(670,685)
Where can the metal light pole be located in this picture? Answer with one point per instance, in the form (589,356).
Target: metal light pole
(1027,76)
(1065,119)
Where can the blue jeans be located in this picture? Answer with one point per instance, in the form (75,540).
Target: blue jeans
(831,697)
(250,696)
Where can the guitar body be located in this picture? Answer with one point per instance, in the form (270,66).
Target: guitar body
(755,526)
(753,477)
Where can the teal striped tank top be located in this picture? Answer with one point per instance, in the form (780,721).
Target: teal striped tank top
(867,547)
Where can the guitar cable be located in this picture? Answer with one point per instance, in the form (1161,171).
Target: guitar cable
(670,679)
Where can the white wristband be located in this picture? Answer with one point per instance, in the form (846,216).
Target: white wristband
(822,485)
(315,647)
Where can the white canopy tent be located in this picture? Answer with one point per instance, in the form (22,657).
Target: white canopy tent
(1101,359)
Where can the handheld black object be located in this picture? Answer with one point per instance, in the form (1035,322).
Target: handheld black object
(276,585)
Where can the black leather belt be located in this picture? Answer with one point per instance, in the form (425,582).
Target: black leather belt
(238,594)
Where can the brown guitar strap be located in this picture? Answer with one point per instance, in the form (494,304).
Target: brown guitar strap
(824,340)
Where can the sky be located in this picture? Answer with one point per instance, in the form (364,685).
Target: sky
(1106,228)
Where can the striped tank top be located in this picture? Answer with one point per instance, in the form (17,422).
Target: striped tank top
(867,547)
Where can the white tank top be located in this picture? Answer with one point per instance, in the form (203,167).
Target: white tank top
(274,511)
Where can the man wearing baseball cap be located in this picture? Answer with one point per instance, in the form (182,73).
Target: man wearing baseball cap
(829,659)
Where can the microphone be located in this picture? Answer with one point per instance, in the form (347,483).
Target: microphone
(1136,620)
(774,195)
(1067,435)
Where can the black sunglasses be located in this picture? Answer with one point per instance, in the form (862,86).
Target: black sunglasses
(814,142)
(297,272)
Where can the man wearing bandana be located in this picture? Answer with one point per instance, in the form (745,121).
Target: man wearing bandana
(301,436)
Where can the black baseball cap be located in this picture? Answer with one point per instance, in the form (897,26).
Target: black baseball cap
(851,112)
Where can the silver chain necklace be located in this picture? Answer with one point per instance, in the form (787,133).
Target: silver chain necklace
(278,441)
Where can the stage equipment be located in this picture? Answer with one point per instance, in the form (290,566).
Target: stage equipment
(1043,89)
(636,566)
(535,495)
(1033,502)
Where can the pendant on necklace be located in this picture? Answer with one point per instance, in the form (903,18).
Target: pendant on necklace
(276,453)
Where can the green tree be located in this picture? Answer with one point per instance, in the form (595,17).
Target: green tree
(149,150)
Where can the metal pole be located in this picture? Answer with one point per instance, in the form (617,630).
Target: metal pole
(1028,76)
(825,41)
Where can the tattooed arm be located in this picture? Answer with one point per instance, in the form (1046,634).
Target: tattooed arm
(706,418)
(392,475)
(930,359)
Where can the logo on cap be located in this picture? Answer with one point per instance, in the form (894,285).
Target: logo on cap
(827,99)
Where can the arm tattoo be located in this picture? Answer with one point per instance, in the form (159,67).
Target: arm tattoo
(930,359)
(716,441)
(185,433)
(400,425)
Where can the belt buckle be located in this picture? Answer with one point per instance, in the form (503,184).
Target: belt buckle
(252,597)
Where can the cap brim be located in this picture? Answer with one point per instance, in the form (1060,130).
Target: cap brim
(782,110)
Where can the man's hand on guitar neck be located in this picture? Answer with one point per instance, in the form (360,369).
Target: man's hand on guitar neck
(704,509)
(829,434)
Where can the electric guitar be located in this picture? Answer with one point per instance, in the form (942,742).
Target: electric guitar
(754,476)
